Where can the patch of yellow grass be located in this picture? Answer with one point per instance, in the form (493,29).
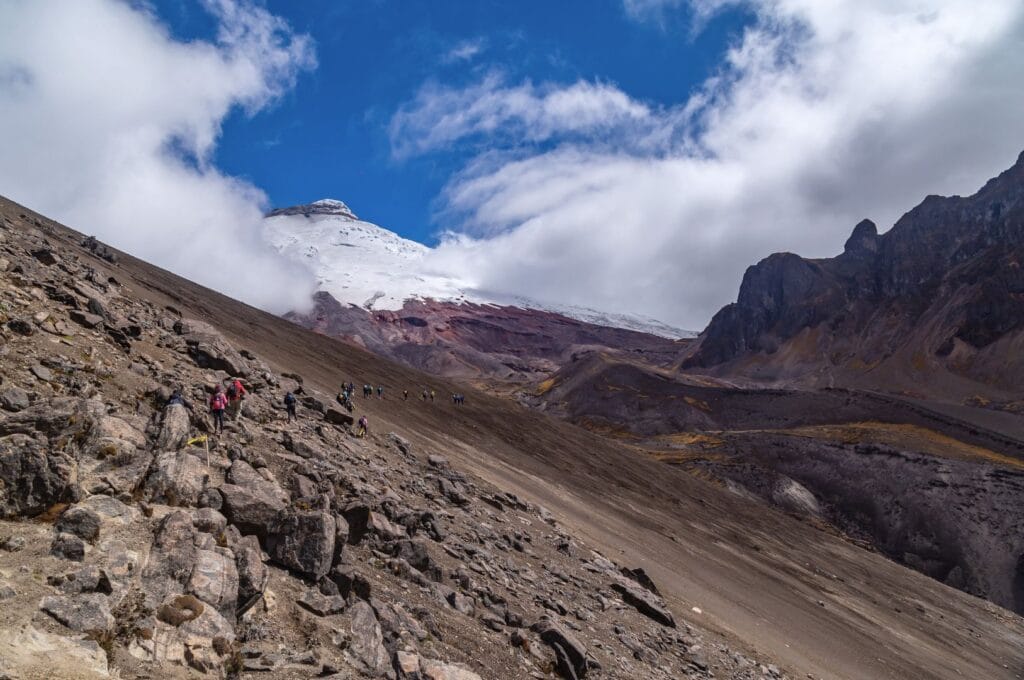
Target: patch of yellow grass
(545,386)
(909,437)
(697,403)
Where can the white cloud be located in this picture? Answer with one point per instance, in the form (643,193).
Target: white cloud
(109,125)
(821,114)
(465,50)
(440,116)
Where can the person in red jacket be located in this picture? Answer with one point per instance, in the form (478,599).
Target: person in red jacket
(236,392)
(218,402)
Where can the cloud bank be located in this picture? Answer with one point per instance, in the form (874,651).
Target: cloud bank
(109,124)
(820,114)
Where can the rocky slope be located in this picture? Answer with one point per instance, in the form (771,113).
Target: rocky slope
(939,492)
(935,306)
(422,551)
(489,345)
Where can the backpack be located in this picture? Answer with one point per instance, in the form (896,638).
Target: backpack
(218,402)
(232,392)
(289,399)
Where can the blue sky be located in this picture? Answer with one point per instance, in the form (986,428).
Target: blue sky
(328,136)
(624,155)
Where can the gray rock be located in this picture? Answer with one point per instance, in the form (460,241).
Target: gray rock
(86,319)
(42,373)
(14,399)
(174,429)
(209,521)
(320,604)
(366,645)
(302,542)
(81,522)
(68,547)
(214,580)
(646,602)
(252,573)
(33,479)
(178,478)
(88,613)
(560,639)
(209,349)
(251,502)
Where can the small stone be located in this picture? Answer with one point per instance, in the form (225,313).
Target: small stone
(42,373)
(68,547)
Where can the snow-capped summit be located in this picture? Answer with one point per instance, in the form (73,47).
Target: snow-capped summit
(363,264)
(325,206)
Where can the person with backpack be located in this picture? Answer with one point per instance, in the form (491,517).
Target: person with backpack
(235,394)
(380,391)
(364,427)
(289,405)
(218,403)
(178,398)
(405,395)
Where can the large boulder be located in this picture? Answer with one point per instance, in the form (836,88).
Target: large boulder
(174,429)
(81,522)
(209,349)
(570,652)
(302,542)
(214,580)
(186,632)
(85,613)
(251,502)
(172,558)
(252,573)
(366,642)
(178,478)
(33,478)
(646,602)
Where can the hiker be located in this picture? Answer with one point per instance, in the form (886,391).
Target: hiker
(367,391)
(364,427)
(380,391)
(218,402)
(235,394)
(289,404)
(178,398)
(405,395)
(431,395)
(424,395)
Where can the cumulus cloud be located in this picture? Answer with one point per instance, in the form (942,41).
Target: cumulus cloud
(819,115)
(439,116)
(109,125)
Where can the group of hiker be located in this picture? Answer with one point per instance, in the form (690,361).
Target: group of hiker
(228,400)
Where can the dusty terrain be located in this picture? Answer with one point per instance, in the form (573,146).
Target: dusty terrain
(765,584)
(490,346)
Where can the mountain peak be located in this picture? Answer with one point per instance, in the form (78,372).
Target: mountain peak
(325,206)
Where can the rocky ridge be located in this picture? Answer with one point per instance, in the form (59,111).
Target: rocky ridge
(932,307)
(136,543)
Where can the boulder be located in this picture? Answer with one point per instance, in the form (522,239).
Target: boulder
(431,669)
(252,573)
(14,399)
(336,417)
(214,580)
(32,478)
(68,547)
(172,558)
(81,522)
(178,478)
(174,429)
(209,349)
(302,542)
(320,604)
(646,602)
(85,613)
(185,632)
(562,641)
(366,643)
(251,502)
(86,319)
